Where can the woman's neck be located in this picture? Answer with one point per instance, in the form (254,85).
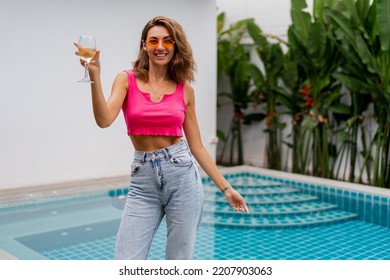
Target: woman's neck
(158,74)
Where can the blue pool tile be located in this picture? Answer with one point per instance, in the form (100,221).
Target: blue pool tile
(368,208)
(339,200)
(388,215)
(353,203)
(360,205)
(376,216)
(293,183)
(324,195)
(346,201)
(111,193)
(332,195)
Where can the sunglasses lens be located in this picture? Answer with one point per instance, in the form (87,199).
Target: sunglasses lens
(168,43)
(153,43)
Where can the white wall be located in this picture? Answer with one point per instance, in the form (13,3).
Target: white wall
(48,133)
(272,16)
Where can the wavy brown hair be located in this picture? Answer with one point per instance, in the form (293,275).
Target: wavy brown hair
(182,66)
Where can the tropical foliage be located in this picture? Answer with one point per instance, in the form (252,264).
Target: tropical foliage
(233,61)
(332,80)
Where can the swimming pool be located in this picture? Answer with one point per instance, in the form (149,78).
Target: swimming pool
(292,217)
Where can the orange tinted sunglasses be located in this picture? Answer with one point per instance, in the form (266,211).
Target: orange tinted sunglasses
(166,42)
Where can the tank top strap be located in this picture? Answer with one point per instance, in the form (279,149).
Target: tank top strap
(131,80)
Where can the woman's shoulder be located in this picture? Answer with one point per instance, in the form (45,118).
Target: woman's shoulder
(123,78)
(126,72)
(126,75)
(188,88)
(189,94)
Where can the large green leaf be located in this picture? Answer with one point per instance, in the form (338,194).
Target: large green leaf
(352,83)
(316,43)
(298,50)
(300,19)
(365,54)
(362,8)
(384,23)
(352,12)
(371,23)
(289,102)
(298,5)
(256,34)
(317,9)
(220,22)
(290,72)
(257,76)
(340,109)
(342,23)
(236,31)
(224,57)
(383,60)
(274,65)
(331,98)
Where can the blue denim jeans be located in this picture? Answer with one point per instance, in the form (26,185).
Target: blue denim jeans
(164,182)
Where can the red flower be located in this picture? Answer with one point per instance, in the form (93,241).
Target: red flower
(309,102)
(306,91)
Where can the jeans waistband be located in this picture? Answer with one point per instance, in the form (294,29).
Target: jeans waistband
(167,152)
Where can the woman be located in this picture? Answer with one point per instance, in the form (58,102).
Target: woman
(158,104)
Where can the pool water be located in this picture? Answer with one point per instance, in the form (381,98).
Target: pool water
(286,222)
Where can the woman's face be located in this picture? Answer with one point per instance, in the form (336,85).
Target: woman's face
(159,45)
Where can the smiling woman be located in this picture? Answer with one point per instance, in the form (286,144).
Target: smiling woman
(159,45)
(158,105)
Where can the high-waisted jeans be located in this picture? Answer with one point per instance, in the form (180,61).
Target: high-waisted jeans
(164,182)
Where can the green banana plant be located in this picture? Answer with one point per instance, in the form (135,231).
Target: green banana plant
(362,31)
(267,90)
(233,62)
(318,57)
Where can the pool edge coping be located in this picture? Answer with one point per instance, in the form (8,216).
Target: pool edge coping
(366,189)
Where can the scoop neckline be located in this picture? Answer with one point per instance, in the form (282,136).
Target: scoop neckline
(149,93)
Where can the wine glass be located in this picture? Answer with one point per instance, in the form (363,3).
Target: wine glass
(87,50)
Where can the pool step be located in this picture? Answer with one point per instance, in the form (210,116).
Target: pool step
(269,189)
(272,222)
(255,199)
(272,209)
(271,205)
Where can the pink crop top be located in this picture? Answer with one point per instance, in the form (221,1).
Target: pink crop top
(145,117)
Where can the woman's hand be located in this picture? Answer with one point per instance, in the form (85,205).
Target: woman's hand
(236,200)
(94,64)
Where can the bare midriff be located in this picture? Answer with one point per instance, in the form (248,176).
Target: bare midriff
(148,143)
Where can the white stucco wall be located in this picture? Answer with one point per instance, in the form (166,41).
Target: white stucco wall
(48,134)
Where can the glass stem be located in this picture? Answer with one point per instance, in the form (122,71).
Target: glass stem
(86,76)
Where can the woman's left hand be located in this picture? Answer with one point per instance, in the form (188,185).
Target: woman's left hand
(236,200)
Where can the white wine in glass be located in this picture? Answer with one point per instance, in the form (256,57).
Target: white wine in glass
(87,50)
